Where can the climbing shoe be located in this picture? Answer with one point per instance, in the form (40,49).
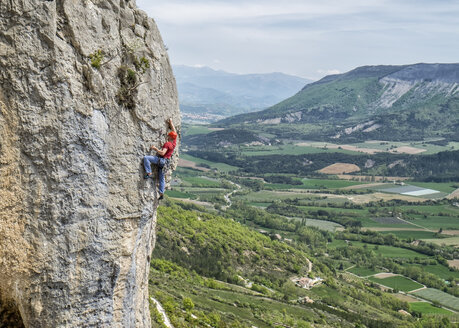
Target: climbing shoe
(161,196)
(146,176)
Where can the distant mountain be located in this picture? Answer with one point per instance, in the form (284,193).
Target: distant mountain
(408,102)
(204,92)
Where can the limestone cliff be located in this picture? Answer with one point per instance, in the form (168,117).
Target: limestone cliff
(85,89)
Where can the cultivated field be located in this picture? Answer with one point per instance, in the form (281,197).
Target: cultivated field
(406,298)
(413,235)
(383,275)
(362,272)
(373,147)
(408,190)
(427,308)
(335,146)
(397,282)
(452,241)
(323,225)
(389,220)
(444,299)
(221,167)
(340,168)
(407,150)
(185,163)
(441,271)
(454,194)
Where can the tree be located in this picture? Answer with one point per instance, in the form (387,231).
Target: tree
(188,304)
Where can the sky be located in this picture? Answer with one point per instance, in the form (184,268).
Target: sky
(307,38)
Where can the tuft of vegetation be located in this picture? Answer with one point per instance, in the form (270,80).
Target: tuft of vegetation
(96,58)
(128,89)
(141,64)
(131,78)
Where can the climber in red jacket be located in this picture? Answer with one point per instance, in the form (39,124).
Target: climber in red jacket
(162,158)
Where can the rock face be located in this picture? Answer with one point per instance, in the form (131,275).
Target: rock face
(85,89)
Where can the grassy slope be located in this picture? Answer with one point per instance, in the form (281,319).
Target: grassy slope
(220,248)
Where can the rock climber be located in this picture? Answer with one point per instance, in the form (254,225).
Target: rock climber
(162,158)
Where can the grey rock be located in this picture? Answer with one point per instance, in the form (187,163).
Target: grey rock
(77,219)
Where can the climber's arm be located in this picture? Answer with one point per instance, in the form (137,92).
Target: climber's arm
(171,125)
(161,152)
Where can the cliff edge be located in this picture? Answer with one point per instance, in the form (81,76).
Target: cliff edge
(85,89)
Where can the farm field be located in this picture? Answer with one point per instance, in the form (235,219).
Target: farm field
(434,223)
(427,308)
(190,130)
(393,252)
(375,146)
(408,234)
(383,250)
(222,167)
(406,298)
(179,194)
(315,184)
(269,196)
(444,187)
(441,271)
(390,146)
(397,282)
(434,209)
(288,150)
(323,225)
(444,299)
(408,190)
(202,181)
(452,241)
(362,272)
(340,168)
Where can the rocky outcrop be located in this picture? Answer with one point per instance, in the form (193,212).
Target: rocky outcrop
(85,89)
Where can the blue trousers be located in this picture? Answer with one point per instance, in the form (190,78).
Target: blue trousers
(160,162)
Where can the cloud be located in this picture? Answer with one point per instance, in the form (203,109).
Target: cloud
(328,71)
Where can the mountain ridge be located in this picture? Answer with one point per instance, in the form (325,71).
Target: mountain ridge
(421,98)
(206,92)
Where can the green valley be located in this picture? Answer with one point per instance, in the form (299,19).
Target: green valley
(338,207)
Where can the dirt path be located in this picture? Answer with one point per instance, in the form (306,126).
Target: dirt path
(417,225)
(365,185)
(309,265)
(227,196)
(160,309)
(416,290)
